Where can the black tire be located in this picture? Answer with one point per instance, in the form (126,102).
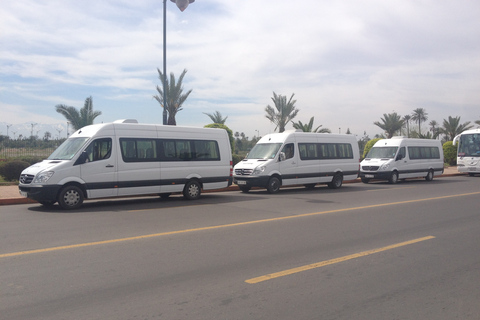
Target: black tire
(192,190)
(336,182)
(429,176)
(244,189)
(47,203)
(393,177)
(273,185)
(365,180)
(70,197)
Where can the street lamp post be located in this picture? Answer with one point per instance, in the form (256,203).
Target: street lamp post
(182,5)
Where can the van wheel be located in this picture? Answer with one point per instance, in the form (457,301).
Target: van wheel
(336,182)
(429,176)
(71,197)
(273,185)
(192,190)
(365,180)
(244,189)
(393,177)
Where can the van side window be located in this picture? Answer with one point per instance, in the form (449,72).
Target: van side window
(416,153)
(316,151)
(401,153)
(142,150)
(98,150)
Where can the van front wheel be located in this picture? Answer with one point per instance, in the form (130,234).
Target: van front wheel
(71,197)
(192,190)
(393,177)
(273,185)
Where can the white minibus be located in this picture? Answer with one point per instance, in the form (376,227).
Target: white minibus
(401,158)
(468,155)
(126,158)
(299,158)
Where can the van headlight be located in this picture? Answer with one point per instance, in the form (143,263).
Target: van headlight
(259,170)
(43,177)
(385,166)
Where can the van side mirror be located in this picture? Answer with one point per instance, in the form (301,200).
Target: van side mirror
(282,156)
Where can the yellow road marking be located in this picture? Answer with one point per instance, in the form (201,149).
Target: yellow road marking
(332,261)
(89,244)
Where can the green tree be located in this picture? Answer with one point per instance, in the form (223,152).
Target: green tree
(285,113)
(391,123)
(419,115)
(79,119)
(450,153)
(308,127)
(434,129)
(217,117)
(229,131)
(452,127)
(477,122)
(174,94)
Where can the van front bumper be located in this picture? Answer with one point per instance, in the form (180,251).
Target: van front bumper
(251,181)
(383,175)
(39,193)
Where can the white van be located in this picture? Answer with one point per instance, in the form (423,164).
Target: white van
(299,158)
(401,158)
(126,158)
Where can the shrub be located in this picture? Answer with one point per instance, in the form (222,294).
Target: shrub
(450,153)
(11,170)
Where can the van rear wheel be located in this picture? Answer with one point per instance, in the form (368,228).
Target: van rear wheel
(336,182)
(192,190)
(429,176)
(71,197)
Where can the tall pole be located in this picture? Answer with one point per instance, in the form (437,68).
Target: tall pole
(164,62)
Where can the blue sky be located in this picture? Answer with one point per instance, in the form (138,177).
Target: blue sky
(348,62)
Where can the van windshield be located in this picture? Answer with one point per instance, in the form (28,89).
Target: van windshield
(382,152)
(264,151)
(68,149)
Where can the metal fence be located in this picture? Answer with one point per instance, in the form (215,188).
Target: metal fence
(9,153)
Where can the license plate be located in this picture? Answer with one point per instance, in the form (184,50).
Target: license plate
(23,194)
(241,182)
(369,176)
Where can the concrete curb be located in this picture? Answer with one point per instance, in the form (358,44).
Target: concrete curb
(20,200)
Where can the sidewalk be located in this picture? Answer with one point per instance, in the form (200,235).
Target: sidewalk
(10,195)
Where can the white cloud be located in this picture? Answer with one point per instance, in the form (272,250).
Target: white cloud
(347,62)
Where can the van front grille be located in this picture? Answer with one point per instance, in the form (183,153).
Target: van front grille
(370,168)
(26,178)
(243,172)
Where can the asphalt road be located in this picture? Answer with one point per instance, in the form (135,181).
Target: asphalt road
(376,251)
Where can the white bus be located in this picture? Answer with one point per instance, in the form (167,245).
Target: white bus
(299,158)
(468,154)
(126,158)
(401,158)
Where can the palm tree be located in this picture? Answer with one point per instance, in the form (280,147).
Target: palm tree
(392,123)
(174,94)
(419,115)
(286,111)
(434,128)
(452,127)
(477,122)
(307,127)
(406,120)
(217,117)
(79,119)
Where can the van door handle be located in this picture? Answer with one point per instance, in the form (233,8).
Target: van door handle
(109,166)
